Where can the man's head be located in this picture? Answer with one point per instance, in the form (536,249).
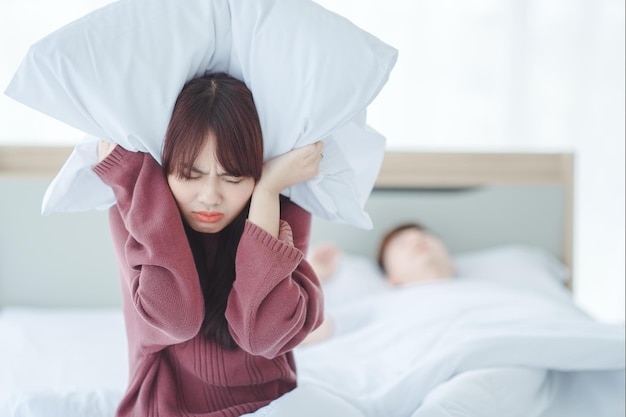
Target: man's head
(410,254)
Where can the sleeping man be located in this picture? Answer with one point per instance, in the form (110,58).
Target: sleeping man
(486,333)
(408,254)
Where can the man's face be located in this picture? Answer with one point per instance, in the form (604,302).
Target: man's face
(413,256)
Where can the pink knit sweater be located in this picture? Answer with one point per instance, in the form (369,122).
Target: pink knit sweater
(274,304)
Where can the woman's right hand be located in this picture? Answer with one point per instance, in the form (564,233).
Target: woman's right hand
(104,149)
(293,167)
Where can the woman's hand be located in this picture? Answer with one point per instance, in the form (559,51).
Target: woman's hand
(290,168)
(104,149)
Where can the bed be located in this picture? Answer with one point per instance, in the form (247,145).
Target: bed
(504,338)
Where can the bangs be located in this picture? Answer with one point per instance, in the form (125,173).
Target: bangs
(224,108)
(185,138)
(238,148)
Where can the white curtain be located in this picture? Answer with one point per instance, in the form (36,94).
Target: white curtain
(471,75)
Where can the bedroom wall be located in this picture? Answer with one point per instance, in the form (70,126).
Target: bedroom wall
(59,260)
(466,220)
(67,260)
(477,75)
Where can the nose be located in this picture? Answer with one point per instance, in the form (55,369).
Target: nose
(210,194)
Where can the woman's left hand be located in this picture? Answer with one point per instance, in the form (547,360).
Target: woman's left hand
(293,167)
(288,169)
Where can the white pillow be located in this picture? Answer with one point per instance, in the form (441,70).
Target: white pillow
(518,265)
(521,266)
(116,72)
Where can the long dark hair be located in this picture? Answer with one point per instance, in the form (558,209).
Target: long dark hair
(222,105)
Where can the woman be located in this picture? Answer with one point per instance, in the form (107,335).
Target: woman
(216,291)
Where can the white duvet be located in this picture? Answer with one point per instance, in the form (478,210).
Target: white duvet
(472,348)
(482,345)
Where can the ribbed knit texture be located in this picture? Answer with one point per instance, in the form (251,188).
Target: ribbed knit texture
(275,303)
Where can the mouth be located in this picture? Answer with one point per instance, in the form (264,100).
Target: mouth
(208,217)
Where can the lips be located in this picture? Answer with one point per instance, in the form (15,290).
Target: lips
(208,217)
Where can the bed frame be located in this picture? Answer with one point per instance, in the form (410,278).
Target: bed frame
(471,200)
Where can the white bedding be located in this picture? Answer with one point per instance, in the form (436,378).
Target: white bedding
(61,363)
(505,349)
(488,343)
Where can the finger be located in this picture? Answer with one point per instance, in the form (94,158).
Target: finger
(316,150)
(309,152)
(319,148)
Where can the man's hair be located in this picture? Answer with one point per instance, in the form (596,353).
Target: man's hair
(390,235)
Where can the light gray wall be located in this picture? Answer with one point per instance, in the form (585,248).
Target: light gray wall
(64,259)
(465,219)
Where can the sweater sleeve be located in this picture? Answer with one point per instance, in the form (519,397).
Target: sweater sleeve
(153,251)
(276,300)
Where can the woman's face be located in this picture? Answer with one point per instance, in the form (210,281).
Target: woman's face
(212,198)
(414,255)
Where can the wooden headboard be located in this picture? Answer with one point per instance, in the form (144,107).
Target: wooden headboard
(471,200)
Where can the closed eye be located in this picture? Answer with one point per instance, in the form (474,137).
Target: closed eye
(193,175)
(188,175)
(231,180)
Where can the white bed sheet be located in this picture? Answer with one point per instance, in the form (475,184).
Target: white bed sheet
(488,343)
(61,362)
